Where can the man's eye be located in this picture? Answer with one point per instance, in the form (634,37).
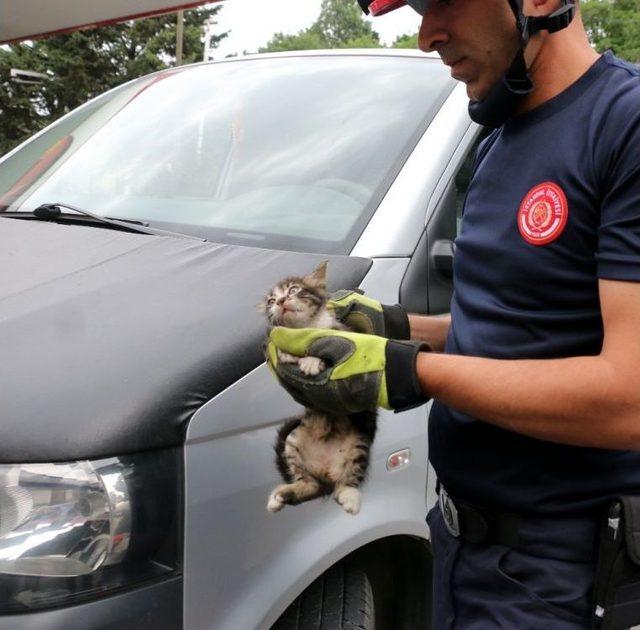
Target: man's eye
(293,290)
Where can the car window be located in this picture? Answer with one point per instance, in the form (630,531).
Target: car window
(463,177)
(294,152)
(30,163)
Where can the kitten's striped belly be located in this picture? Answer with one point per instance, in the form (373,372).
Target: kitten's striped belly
(324,454)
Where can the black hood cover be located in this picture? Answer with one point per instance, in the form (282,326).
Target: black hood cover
(110,341)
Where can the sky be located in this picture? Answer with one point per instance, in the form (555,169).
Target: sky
(254,22)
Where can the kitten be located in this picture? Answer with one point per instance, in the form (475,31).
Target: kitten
(317,453)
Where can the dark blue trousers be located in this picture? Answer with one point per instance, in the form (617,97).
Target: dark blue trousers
(544,582)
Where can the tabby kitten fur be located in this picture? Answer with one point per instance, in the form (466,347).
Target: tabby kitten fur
(317,453)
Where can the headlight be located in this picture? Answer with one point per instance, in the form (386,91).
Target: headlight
(73,530)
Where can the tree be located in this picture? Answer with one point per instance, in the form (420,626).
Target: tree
(340,25)
(309,39)
(342,22)
(406,41)
(615,25)
(86,63)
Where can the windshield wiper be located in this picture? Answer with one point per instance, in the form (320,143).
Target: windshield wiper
(52,211)
(134,221)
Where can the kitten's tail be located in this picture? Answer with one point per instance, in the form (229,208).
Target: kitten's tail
(287,427)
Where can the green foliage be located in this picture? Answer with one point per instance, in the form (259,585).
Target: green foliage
(406,41)
(341,24)
(615,25)
(310,39)
(364,41)
(86,63)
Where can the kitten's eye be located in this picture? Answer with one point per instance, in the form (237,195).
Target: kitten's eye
(271,301)
(293,290)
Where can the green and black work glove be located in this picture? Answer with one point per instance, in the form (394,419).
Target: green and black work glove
(361,372)
(365,315)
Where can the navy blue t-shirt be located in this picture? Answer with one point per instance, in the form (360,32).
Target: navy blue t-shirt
(554,205)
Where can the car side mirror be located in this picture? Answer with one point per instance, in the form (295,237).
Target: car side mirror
(442,254)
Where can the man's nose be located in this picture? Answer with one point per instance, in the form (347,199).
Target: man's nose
(432,33)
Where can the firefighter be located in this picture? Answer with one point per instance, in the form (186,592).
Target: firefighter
(535,378)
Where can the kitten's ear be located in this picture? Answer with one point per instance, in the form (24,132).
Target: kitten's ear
(318,277)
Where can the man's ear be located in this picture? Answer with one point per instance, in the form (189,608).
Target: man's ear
(318,277)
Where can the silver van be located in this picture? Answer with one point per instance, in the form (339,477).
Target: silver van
(137,235)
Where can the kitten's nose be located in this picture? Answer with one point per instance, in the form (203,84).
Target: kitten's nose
(280,301)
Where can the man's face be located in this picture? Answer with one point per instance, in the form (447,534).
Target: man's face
(477,38)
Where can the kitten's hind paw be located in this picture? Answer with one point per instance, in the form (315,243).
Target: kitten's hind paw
(350,499)
(276,502)
(311,366)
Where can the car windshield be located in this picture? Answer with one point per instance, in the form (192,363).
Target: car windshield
(279,152)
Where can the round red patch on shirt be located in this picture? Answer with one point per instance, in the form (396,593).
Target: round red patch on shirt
(543,214)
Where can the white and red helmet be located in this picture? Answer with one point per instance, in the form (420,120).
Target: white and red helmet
(380,7)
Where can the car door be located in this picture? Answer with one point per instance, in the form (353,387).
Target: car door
(427,285)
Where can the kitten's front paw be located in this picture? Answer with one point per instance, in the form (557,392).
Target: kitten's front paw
(311,366)
(285,357)
(276,502)
(350,499)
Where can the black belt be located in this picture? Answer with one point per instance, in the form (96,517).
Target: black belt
(478,525)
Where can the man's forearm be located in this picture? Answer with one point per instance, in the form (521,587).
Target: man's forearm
(584,401)
(432,329)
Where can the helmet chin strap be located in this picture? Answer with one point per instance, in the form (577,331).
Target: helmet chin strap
(504,96)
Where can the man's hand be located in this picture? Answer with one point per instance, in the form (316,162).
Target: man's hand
(365,315)
(360,372)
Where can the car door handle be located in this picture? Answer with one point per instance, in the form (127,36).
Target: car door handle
(442,254)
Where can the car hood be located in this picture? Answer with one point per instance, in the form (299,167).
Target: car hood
(110,341)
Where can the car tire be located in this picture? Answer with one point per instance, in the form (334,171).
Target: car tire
(340,599)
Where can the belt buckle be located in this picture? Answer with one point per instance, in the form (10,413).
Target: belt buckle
(449,513)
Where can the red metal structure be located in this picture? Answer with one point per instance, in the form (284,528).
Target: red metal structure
(30,19)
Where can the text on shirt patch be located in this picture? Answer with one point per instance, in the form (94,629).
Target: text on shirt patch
(543,214)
